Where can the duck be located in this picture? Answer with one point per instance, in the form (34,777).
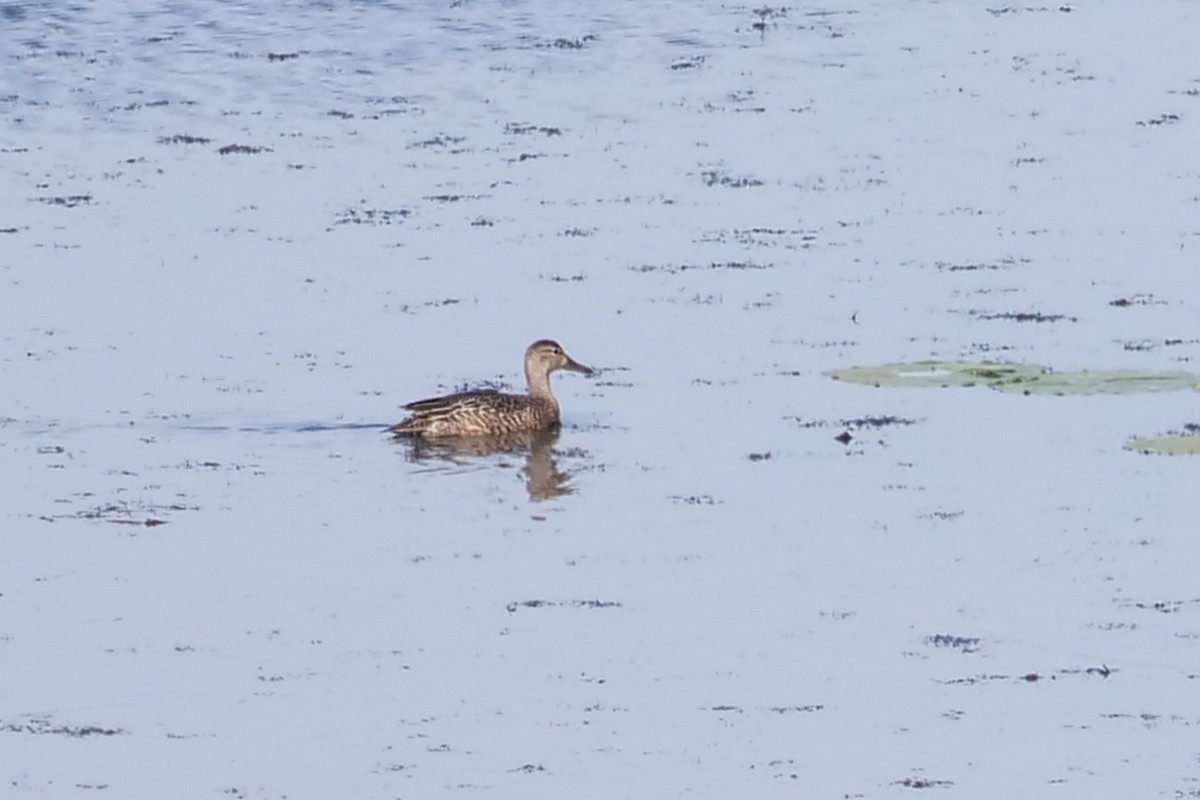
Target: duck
(487,412)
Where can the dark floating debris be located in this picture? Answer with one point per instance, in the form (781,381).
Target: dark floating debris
(521,129)
(1161,119)
(512,607)
(66,201)
(43,727)
(412,308)
(150,104)
(714,177)
(1023,316)
(695,500)
(1102,671)
(942,515)
(996,12)
(1136,300)
(972,266)
(765,13)
(138,514)
(877,422)
(529,769)
(1161,606)
(971,680)
(149,523)
(242,149)
(454,198)
(183,138)
(690,62)
(964,644)
(808,709)
(571,44)
(788,238)
(1146,344)
(372,216)
(850,425)
(923,783)
(671,269)
(441,140)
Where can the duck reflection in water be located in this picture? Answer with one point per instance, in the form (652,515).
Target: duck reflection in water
(543,479)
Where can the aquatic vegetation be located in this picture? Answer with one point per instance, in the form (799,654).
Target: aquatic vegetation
(1023,378)
(1179,444)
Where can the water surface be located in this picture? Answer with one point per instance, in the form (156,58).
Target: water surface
(235,239)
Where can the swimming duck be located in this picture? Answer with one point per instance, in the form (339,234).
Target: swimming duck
(492,413)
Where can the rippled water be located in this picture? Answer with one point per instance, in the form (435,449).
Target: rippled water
(235,238)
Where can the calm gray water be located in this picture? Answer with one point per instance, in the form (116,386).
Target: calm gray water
(235,238)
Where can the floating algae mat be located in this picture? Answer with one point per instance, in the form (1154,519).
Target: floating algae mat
(1023,378)
(1183,444)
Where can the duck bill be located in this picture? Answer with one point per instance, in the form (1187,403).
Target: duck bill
(575,366)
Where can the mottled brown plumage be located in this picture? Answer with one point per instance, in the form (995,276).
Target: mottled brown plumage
(488,413)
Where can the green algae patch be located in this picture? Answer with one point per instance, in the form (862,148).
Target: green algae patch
(1023,378)
(1106,382)
(939,374)
(1177,445)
